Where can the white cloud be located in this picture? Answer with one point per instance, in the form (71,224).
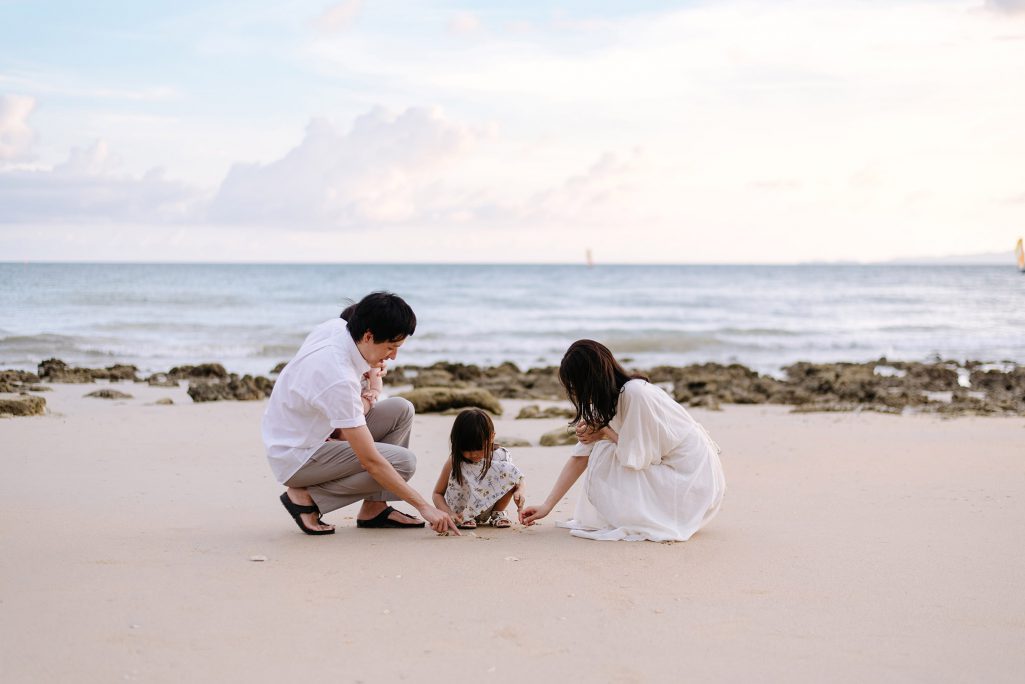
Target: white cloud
(82,189)
(339,17)
(601,195)
(384,170)
(1007,6)
(15,134)
(464,23)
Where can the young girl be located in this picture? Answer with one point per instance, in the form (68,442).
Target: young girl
(478,481)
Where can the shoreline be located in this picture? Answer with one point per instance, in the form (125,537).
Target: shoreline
(886,386)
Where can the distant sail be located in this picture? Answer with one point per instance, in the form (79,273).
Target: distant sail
(590,258)
(1019,252)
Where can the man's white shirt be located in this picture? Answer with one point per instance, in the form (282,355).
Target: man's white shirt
(317,391)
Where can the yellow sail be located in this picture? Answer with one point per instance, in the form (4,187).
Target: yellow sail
(1019,252)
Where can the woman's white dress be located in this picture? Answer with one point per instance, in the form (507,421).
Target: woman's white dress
(663,481)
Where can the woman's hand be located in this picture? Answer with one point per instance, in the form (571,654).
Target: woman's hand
(586,435)
(531,514)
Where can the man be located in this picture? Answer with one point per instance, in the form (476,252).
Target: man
(328,437)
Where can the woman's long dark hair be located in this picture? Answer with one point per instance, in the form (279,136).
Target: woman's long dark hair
(593,380)
(472,430)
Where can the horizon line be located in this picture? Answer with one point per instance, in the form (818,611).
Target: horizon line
(904,261)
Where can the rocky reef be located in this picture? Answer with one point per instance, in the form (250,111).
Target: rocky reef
(943,387)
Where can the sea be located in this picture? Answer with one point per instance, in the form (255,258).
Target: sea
(250,317)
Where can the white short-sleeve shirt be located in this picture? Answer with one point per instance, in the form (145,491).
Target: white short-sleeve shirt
(317,391)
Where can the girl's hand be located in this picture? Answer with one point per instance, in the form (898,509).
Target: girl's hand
(531,514)
(374,378)
(520,499)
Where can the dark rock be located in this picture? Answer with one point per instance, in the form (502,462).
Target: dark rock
(436,377)
(121,372)
(108,394)
(458,371)
(164,401)
(512,442)
(929,378)
(731,384)
(396,376)
(708,401)
(506,381)
(535,411)
(56,370)
(234,388)
(560,436)
(161,380)
(18,377)
(206,371)
(278,368)
(22,405)
(437,399)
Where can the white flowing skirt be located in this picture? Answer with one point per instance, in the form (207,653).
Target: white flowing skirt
(667,501)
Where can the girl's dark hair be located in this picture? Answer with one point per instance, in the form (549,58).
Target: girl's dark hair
(593,380)
(385,315)
(472,430)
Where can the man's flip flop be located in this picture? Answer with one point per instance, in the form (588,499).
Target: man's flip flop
(382,520)
(296,510)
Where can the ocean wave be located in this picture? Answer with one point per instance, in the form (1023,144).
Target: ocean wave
(757,332)
(662,344)
(284,351)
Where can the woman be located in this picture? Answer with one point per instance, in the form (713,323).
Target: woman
(650,470)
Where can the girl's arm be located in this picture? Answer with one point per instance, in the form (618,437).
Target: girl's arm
(574,467)
(520,494)
(438,495)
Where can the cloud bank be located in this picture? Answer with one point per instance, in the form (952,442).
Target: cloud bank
(15,134)
(84,188)
(384,170)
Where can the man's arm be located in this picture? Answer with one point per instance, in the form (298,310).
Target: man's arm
(362,443)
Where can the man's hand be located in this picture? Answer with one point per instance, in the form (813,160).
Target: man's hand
(440,522)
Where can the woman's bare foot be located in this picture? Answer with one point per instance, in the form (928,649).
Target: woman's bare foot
(300,496)
(371,509)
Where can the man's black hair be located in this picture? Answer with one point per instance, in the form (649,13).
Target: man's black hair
(385,315)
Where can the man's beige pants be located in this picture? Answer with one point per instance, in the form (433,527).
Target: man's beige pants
(334,476)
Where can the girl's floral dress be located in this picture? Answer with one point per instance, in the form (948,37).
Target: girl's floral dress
(477,496)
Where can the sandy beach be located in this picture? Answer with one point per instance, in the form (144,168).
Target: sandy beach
(851,546)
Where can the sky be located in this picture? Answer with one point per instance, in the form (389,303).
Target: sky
(732,131)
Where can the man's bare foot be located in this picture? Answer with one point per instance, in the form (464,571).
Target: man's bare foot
(371,509)
(300,496)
